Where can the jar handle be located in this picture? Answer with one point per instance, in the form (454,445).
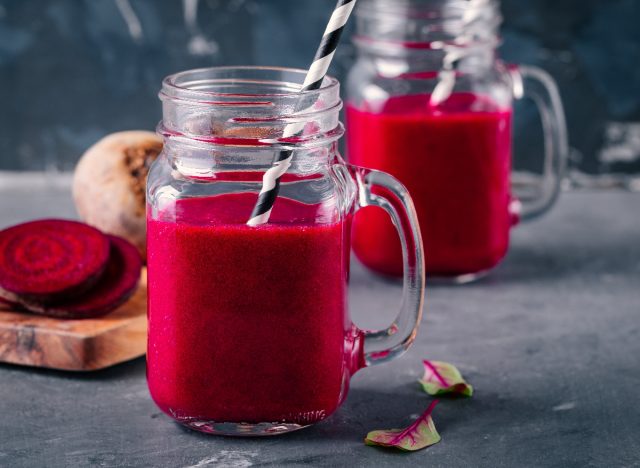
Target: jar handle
(384,191)
(539,86)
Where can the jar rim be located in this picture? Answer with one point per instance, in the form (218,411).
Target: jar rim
(436,10)
(184,87)
(249,106)
(418,26)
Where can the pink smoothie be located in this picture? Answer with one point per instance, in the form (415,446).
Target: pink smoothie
(455,159)
(248,324)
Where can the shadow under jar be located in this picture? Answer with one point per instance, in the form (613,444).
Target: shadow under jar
(249,331)
(430,103)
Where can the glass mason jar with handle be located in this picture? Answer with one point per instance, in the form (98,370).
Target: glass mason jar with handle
(249,332)
(429,102)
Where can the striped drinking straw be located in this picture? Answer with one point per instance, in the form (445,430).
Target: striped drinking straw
(313,81)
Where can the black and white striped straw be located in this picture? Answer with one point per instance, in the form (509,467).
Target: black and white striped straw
(313,81)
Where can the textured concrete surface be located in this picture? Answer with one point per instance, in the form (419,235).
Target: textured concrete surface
(551,341)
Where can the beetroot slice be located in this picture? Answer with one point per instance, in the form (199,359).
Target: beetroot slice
(49,259)
(116,286)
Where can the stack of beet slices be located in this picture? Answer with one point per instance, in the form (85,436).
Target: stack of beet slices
(66,269)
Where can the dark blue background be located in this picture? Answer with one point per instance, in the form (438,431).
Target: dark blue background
(74,70)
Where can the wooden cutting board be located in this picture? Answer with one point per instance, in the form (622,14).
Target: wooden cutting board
(76,345)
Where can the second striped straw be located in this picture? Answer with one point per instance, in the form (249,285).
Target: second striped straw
(313,81)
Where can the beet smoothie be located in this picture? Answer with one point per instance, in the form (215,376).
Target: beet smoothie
(455,159)
(248,324)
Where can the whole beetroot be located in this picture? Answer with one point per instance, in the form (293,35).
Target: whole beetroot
(109,185)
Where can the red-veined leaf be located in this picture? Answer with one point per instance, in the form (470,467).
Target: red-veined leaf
(442,378)
(421,434)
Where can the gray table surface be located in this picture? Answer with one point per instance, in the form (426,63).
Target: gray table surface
(551,342)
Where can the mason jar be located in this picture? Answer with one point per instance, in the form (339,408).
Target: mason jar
(430,102)
(249,329)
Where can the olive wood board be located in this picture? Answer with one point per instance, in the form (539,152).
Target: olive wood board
(76,345)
